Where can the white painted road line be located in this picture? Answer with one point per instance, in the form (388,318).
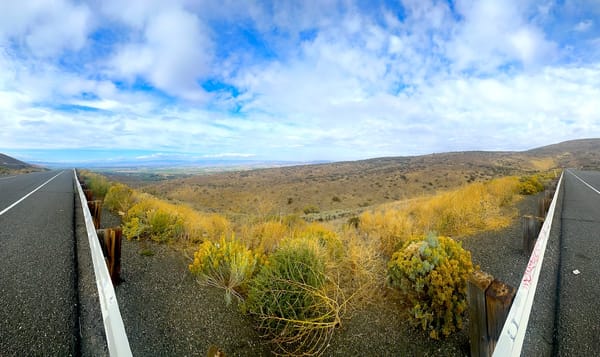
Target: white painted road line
(585,183)
(29,194)
(6,177)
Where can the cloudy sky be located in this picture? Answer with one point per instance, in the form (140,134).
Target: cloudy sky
(294,80)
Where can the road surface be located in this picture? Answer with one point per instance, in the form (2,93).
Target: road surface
(38,275)
(579,280)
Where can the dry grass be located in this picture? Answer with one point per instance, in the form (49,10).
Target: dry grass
(475,207)
(543,164)
(335,188)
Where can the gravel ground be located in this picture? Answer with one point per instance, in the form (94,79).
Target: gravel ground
(167,313)
(500,253)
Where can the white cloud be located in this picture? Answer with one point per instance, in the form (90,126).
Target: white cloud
(46,28)
(175,53)
(584,25)
(366,83)
(495,33)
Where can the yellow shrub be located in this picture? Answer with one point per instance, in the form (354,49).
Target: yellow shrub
(389,227)
(266,237)
(361,269)
(325,238)
(227,264)
(530,185)
(161,221)
(119,198)
(432,274)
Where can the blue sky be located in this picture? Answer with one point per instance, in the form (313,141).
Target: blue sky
(294,80)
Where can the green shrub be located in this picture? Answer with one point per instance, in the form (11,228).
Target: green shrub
(227,265)
(293,303)
(530,185)
(432,274)
(119,198)
(97,183)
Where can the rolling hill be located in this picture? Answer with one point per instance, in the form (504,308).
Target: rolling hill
(10,166)
(341,188)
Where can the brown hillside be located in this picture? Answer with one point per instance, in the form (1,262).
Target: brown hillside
(344,188)
(11,166)
(583,153)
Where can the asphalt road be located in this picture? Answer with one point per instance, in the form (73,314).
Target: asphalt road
(38,299)
(578,318)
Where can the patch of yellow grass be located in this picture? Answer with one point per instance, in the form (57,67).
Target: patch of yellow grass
(154,218)
(544,164)
(472,208)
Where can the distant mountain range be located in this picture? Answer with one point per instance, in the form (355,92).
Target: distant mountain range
(173,163)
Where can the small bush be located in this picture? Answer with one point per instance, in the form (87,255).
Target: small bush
(311,209)
(295,305)
(432,274)
(227,265)
(119,198)
(266,237)
(326,240)
(530,185)
(164,225)
(97,183)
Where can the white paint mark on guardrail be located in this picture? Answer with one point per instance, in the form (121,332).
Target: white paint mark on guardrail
(116,338)
(29,194)
(585,183)
(513,332)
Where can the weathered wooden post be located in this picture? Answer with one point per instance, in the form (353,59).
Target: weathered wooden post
(96,212)
(498,300)
(110,241)
(477,284)
(88,194)
(544,203)
(531,229)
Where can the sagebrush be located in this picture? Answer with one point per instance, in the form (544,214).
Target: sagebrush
(432,274)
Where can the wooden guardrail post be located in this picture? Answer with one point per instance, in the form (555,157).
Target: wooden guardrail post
(544,203)
(110,241)
(96,211)
(477,284)
(531,229)
(88,194)
(498,300)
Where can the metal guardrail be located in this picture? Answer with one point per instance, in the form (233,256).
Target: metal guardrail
(511,338)
(116,338)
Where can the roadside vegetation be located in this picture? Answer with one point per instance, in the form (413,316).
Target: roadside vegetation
(301,280)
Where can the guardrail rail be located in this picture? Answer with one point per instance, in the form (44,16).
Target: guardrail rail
(116,338)
(511,338)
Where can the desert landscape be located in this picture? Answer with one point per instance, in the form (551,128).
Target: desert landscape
(360,213)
